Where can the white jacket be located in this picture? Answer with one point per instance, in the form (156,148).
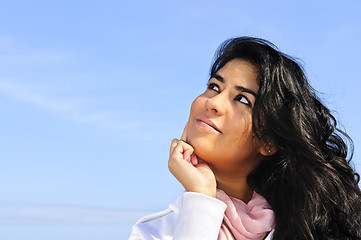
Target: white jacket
(192,216)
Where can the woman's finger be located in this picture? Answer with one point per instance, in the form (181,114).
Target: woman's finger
(194,159)
(184,136)
(173,145)
(188,151)
(182,151)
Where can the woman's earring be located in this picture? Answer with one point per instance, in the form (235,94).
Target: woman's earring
(269,147)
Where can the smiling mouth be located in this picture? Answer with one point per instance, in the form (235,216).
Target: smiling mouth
(208,125)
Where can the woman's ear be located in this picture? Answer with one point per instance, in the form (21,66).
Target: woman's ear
(267,149)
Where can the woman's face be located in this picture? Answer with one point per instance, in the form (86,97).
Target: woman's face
(220,121)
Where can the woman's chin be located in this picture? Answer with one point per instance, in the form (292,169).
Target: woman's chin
(202,152)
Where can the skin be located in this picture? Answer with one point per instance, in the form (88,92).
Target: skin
(218,139)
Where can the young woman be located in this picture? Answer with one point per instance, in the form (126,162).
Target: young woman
(260,157)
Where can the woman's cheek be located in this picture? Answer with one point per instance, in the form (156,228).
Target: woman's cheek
(196,109)
(197,104)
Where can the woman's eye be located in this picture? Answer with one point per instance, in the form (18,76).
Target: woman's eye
(213,86)
(243,100)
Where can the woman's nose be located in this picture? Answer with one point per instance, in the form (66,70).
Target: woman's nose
(216,104)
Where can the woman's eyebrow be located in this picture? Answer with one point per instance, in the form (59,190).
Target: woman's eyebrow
(239,88)
(219,78)
(247,90)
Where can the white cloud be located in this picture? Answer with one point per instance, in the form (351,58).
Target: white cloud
(32,95)
(58,214)
(72,109)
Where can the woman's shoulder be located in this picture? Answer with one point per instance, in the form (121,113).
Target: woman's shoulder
(154,216)
(193,208)
(157,225)
(154,226)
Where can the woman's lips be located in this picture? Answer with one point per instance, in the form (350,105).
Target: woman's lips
(207,123)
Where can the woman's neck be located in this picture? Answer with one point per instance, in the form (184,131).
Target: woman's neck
(235,186)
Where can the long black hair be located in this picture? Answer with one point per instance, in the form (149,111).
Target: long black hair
(309,182)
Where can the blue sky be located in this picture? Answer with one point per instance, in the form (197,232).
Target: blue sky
(92,92)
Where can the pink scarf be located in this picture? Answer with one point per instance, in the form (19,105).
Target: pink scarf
(245,221)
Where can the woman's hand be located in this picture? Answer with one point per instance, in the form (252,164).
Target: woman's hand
(193,173)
